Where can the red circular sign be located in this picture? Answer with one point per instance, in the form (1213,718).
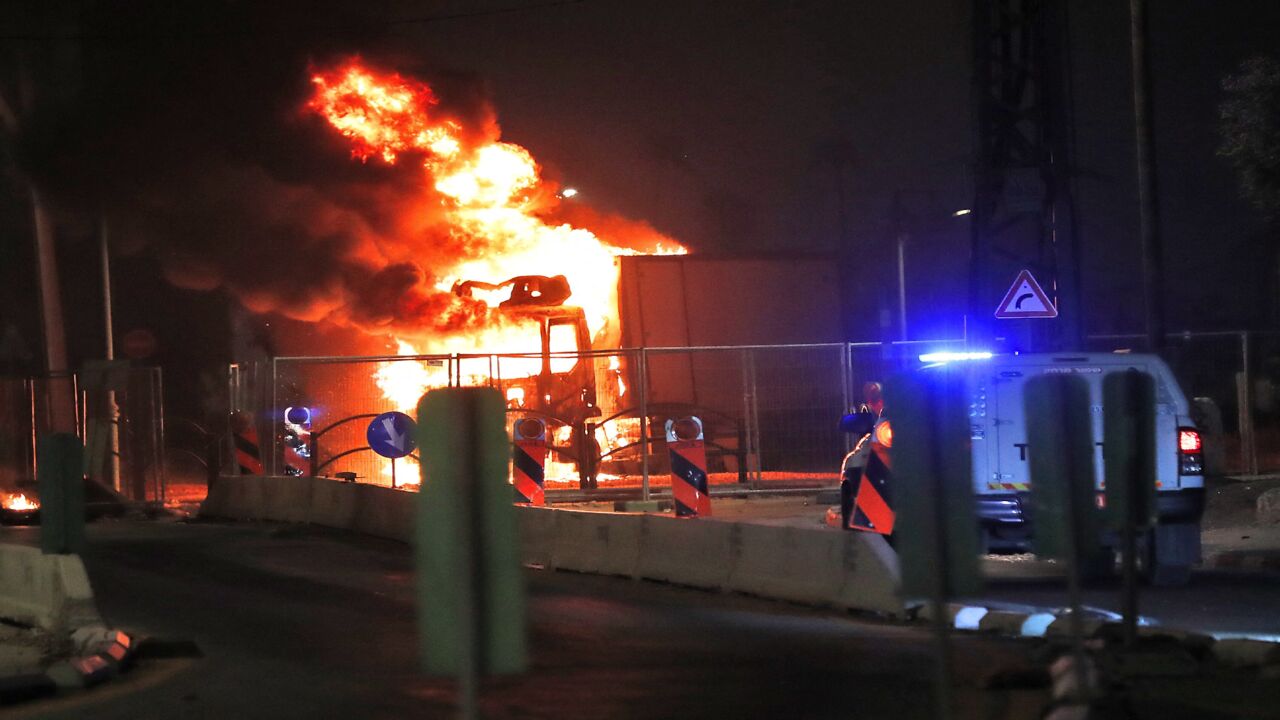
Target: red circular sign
(138,343)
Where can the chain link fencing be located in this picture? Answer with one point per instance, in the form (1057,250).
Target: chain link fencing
(770,414)
(118,415)
(1233,379)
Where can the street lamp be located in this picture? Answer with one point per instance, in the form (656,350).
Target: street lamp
(903,235)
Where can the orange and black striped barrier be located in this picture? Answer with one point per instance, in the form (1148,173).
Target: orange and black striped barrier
(529,460)
(872,508)
(245,437)
(686,443)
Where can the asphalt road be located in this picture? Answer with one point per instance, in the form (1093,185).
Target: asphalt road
(299,622)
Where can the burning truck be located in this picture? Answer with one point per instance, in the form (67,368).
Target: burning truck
(505,270)
(484,213)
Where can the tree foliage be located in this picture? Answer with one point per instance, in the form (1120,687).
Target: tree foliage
(1250,127)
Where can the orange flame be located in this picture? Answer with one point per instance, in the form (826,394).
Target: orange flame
(403,382)
(495,204)
(492,193)
(18,501)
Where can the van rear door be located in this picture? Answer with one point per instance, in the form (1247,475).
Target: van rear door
(1010,471)
(1007,431)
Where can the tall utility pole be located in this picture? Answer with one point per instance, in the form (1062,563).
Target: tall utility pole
(61,401)
(1022,214)
(112,414)
(1148,197)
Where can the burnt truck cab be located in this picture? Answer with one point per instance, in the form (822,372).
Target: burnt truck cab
(563,387)
(1000,469)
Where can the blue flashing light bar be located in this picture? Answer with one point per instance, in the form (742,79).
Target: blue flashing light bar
(944,357)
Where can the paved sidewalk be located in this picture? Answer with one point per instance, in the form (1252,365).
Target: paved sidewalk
(1251,547)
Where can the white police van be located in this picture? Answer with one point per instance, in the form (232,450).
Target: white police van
(1001,475)
(999,442)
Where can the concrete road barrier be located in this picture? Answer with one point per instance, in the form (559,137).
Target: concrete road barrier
(334,504)
(384,512)
(844,569)
(288,498)
(686,551)
(239,497)
(816,566)
(624,541)
(789,563)
(579,541)
(49,591)
(537,534)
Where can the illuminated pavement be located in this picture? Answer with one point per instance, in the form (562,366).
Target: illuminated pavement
(303,623)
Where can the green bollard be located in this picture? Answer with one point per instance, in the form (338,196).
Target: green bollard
(471,594)
(1060,457)
(936,530)
(60,481)
(1129,448)
(933,478)
(1129,461)
(1060,453)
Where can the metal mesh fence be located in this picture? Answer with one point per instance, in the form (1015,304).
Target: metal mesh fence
(770,413)
(120,421)
(1238,374)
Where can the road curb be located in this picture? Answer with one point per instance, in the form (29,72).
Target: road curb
(1242,560)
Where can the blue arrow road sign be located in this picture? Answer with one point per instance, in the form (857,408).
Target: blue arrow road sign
(391,435)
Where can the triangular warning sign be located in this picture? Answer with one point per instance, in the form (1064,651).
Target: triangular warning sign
(1025,299)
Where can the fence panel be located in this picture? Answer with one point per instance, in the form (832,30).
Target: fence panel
(713,384)
(798,396)
(1240,373)
(131,459)
(770,412)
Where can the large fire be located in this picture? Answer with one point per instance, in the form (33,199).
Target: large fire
(494,196)
(495,204)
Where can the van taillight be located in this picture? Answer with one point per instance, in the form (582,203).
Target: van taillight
(1188,440)
(1190,461)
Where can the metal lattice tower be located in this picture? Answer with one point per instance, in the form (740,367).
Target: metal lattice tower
(1022,211)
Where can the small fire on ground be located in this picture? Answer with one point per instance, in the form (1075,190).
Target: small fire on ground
(18,502)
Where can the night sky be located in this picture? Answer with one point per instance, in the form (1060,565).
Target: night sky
(727,125)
